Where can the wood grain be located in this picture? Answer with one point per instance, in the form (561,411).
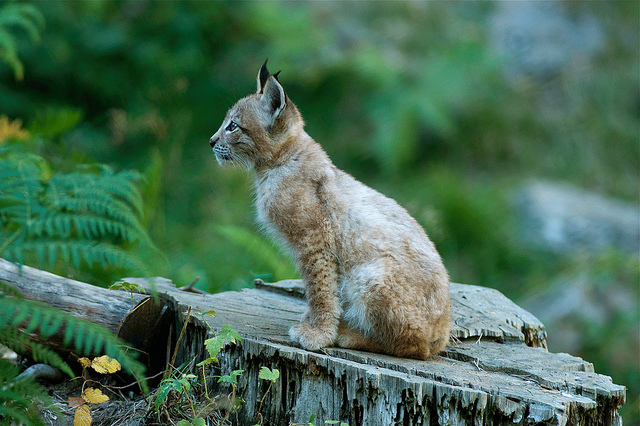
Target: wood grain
(497,371)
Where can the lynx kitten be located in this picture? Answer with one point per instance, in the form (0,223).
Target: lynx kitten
(374,281)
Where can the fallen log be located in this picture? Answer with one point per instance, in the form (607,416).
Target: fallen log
(496,371)
(148,324)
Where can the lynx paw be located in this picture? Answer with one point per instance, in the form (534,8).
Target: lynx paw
(312,338)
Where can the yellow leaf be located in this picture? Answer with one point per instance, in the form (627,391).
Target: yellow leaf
(75,401)
(84,361)
(104,365)
(94,396)
(11,130)
(82,416)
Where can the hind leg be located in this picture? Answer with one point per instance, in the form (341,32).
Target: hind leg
(405,346)
(387,309)
(351,338)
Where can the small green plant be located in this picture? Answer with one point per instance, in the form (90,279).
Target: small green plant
(182,386)
(232,379)
(195,422)
(271,376)
(178,393)
(130,287)
(214,346)
(216,343)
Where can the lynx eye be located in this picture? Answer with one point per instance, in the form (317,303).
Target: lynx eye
(232,127)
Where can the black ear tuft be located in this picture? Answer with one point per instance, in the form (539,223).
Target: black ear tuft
(273,101)
(263,76)
(276,75)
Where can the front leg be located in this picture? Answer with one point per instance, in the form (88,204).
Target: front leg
(319,327)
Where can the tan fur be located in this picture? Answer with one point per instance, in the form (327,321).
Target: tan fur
(374,280)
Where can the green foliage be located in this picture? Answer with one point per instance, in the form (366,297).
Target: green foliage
(271,376)
(261,251)
(267,374)
(20,342)
(199,421)
(215,344)
(187,401)
(130,287)
(85,337)
(53,122)
(231,378)
(181,385)
(21,399)
(16,17)
(410,97)
(82,218)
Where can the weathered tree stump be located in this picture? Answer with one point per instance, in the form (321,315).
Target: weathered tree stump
(496,371)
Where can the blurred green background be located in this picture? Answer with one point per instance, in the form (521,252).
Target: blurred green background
(451,108)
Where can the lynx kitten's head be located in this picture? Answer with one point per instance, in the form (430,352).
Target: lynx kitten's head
(258,128)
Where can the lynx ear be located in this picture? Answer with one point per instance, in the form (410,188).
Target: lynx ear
(263,76)
(273,100)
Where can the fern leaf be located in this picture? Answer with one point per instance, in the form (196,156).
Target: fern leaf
(76,252)
(19,398)
(79,337)
(99,342)
(8,52)
(90,219)
(42,353)
(22,15)
(47,328)
(18,15)
(19,342)
(88,342)
(260,249)
(8,291)
(68,333)
(86,337)
(34,321)
(95,189)
(18,317)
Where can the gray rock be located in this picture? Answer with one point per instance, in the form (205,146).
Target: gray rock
(572,303)
(538,38)
(562,218)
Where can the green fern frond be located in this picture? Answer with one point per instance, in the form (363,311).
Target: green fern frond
(87,218)
(75,252)
(93,188)
(86,226)
(86,338)
(18,16)
(8,291)
(24,16)
(261,250)
(19,343)
(20,397)
(9,52)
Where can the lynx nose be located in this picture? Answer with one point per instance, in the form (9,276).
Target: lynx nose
(213,141)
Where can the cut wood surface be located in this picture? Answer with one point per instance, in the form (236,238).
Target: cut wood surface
(496,371)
